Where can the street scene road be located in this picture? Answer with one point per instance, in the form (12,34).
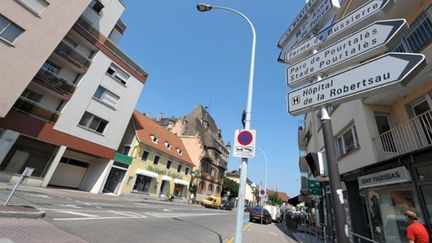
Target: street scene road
(78,216)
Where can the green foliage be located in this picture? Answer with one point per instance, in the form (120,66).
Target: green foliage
(274,199)
(231,186)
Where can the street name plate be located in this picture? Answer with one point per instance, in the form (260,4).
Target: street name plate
(360,81)
(324,38)
(312,18)
(370,41)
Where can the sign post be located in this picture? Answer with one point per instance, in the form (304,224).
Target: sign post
(23,179)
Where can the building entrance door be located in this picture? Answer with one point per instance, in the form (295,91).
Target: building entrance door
(114,180)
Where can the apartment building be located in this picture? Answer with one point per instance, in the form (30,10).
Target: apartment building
(204,143)
(383,141)
(68,91)
(160,168)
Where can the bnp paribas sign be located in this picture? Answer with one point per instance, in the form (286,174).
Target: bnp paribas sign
(368,42)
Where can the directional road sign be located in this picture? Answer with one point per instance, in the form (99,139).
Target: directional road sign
(312,18)
(360,81)
(362,45)
(314,188)
(356,18)
(244,146)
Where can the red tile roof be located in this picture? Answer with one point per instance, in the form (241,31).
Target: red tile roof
(281,195)
(146,127)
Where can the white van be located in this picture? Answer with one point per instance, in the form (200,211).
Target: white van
(275,212)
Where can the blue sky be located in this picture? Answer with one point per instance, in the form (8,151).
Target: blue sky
(203,58)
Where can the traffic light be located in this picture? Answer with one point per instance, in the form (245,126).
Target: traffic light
(317,163)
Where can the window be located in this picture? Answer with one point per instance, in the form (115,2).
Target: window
(142,183)
(96,6)
(119,75)
(187,171)
(35,6)
(70,41)
(168,166)
(156,160)
(8,30)
(154,138)
(179,151)
(347,142)
(31,95)
(107,97)
(93,122)
(145,155)
(168,145)
(51,67)
(179,168)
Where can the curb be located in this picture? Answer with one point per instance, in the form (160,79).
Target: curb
(17,214)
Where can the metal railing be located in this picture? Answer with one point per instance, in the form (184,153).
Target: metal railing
(32,108)
(54,81)
(86,25)
(411,135)
(359,238)
(71,55)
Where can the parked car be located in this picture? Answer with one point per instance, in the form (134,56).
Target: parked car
(247,208)
(259,214)
(227,205)
(275,212)
(211,202)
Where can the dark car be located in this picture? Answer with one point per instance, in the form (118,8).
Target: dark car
(227,205)
(259,214)
(247,208)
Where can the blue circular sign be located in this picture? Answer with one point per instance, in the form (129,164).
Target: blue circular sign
(245,137)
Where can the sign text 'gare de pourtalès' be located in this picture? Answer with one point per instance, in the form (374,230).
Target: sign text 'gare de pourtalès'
(359,81)
(364,44)
(324,38)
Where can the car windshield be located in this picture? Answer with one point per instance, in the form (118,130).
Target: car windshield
(209,199)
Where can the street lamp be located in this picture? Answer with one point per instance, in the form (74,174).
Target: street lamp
(202,7)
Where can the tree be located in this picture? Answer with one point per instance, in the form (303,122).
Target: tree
(274,199)
(230,186)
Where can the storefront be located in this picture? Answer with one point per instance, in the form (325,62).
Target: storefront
(388,195)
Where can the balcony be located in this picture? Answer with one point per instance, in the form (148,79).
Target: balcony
(55,82)
(72,56)
(83,26)
(411,135)
(35,109)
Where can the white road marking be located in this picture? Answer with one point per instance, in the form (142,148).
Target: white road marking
(37,195)
(99,218)
(166,210)
(69,205)
(79,214)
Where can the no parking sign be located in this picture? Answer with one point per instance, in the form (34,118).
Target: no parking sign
(244,146)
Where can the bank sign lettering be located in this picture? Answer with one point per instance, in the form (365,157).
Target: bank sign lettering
(359,81)
(324,38)
(366,43)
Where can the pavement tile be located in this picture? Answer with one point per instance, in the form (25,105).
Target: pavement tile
(33,230)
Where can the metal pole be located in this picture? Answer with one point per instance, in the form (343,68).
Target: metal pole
(334,179)
(244,161)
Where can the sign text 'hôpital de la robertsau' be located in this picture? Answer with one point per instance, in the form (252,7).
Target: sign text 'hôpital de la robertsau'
(356,18)
(360,81)
(370,41)
(311,19)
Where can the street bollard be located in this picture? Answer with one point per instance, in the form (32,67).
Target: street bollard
(23,179)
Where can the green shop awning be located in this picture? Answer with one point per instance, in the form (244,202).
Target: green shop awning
(123,158)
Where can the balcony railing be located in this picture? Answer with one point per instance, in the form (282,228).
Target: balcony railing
(85,24)
(55,82)
(411,135)
(71,55)
(35,109)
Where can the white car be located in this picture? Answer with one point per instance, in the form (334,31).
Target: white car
(275,212)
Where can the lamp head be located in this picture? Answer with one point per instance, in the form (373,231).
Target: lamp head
(203,7)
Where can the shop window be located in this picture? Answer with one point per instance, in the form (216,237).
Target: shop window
(145,155)
(142,183)
(8,30)
(347,142)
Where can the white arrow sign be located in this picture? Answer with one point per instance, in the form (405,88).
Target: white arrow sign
(359,81)
(312,18)
(324,38)
(366,43)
